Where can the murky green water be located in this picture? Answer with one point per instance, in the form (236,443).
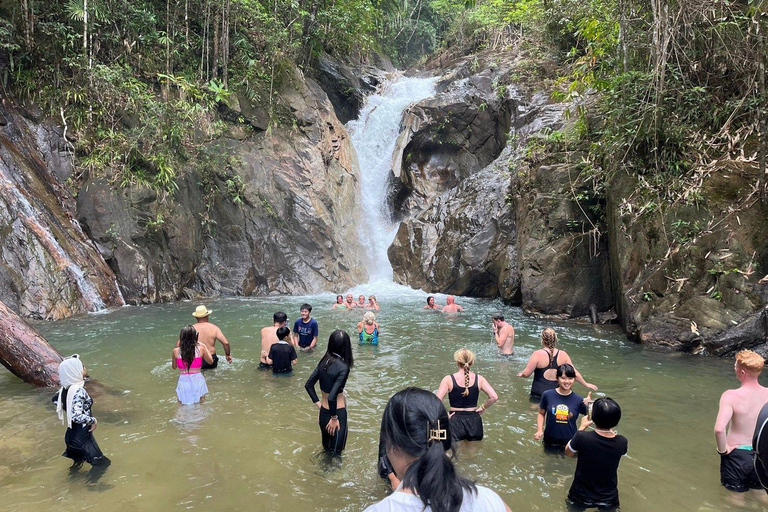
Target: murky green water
(255,444)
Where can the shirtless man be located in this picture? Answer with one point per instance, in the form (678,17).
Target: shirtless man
(361,301)
(735,424)
(350,303)
(431,303)
(504,334)
(451,306)
(208,335)
(269,337)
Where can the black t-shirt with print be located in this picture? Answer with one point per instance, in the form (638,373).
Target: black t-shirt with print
(562,412)
(596,483)
(282,354)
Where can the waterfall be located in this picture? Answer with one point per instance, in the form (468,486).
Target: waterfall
(374,135)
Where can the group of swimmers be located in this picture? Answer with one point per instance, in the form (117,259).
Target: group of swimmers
(417,431)
(350,303)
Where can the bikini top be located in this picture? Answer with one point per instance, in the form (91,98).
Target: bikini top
(197,363)
(458,401)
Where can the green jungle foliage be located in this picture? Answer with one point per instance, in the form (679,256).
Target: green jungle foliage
(138,83)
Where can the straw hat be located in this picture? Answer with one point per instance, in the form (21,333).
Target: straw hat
(201,312)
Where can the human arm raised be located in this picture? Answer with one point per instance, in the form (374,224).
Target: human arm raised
(579,377)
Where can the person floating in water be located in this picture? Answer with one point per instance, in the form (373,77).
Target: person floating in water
(332,371)
(466,423)
(282,355)
(361,301)
(736,421)
(73,406)
(543,366)
(269,337)
(596,482)
(339,302)
(504,334)
(305,330)
(368,329)
(373,303)
(209,335)
(431,304)
(451,306)
(189,357)
(416,435)
(350,303)
(558,410)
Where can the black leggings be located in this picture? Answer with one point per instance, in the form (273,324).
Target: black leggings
(336,443)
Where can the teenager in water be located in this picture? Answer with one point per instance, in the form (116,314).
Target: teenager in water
(332,372)
(416,433)
(558,410)
(188,357)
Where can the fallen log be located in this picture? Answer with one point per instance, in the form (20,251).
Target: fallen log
(25,353)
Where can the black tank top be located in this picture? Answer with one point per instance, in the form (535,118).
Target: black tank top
(464,402)
(540,384)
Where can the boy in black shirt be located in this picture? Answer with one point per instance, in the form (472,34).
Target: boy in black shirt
(599,452)
(282,355)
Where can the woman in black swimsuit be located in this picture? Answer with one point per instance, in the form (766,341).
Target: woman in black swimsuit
(466,423)
(543,366)
(332,372)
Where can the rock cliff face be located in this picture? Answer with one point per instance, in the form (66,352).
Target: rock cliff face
(268,222)
(263,216)
(49,269)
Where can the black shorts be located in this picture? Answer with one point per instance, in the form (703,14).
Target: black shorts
(466,426)
(737,471)
(264,366)
(213,365)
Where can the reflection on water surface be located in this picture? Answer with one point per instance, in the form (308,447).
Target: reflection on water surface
(255,444)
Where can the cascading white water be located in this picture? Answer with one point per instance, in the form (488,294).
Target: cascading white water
(374,135)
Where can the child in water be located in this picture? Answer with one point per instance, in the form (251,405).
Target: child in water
(282,356)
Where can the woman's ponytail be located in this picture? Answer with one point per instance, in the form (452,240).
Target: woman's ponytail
(416,423)
(466,380)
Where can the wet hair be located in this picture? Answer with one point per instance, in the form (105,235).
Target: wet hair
(339,297)
(606,413)
(372,297)
(465,358)
(359,296)
(188,345)
(566,370)
(750,361)
(279,317)
(369,317)
(429,298)
(306,306)
(282,332)
(498,316)
(549,338)
(340,345)
(412,421)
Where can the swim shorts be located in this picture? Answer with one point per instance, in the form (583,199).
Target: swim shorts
(737,471)
(215,363)
(466,426)
(264,366)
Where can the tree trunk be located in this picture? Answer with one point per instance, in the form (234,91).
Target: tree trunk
(25,353)
(225,42)
(216,41)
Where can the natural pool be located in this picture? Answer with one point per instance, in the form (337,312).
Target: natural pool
(255,444)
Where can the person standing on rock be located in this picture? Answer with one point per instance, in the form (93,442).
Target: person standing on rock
(269,337)
(504,334)
(736,421)
(209,335)
(451,306)
(305,330)
(431,304)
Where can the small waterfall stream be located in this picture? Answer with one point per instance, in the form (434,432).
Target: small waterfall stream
(374,135)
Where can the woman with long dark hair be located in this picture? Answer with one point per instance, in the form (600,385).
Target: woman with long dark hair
(466,423)
(188,358)
(332,372)
(417,434)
